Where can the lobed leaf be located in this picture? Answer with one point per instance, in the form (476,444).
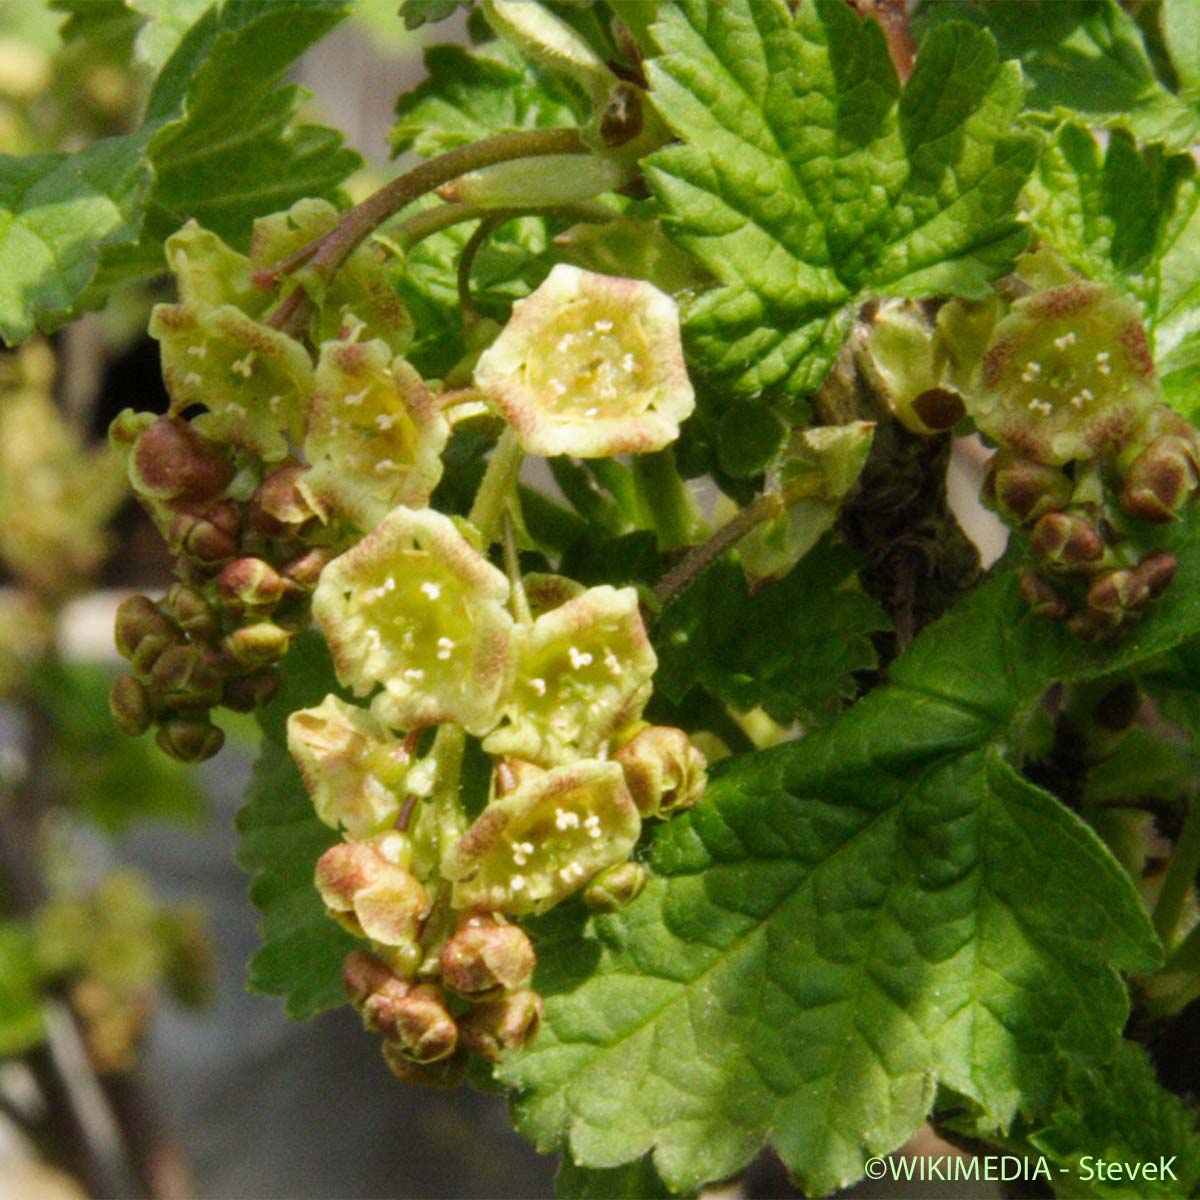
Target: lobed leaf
(807,180)
(850,920)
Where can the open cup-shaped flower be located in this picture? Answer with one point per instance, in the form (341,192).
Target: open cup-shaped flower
(544,841)
(375,437)
(590,365)
(583,672)
(414,607)
(353,769)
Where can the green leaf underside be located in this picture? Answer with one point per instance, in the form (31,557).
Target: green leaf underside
(472,95)
(791,647)
(1131,217)
(217,143)
(279,842)
(851,919)
(1122,1114)
(806,181)
(1086,57)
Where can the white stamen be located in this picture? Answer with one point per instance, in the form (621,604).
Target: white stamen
(353,399)
(198,351)
(579,658)
(242,366)
(538,685)
(432,590)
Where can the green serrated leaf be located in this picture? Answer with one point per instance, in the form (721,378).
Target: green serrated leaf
(217,143)
(790,648)
(806,180)
(1131,217)
(475,94)
(1120,1113)
(634,1181)
(419,12)
(166,22)
(1084,58)
(279,842)
(1181,32)
(851,919)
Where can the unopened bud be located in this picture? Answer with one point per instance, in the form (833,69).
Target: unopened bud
(192,613)
(1156,571)
(663,770)
(484,956)
(249,692)
(1022,489)
(208,537)
(1161,480)
(504,1024)
(1067,543)
(137,620)
(189,741)
(187,677)
(613,889)
(251,585)
(305,569)
(283,506)
(1042,596)
(364,973)
(130,706)
(171,461)
(382,900)
(257,645)
(414,1017)
(1093,626)
(445,1073)
(1118,592)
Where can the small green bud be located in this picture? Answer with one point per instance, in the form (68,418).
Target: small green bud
(189,741)
(187,676)
(246,693)
(504,1024)
(486,955)
(257,645)
(130,706)
(251,585)
(1067,543)
(617,887)
(284,506)
(663,770)
(1022,489)
(171,461)
(590,365)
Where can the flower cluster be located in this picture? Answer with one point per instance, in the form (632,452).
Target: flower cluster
(422,626)
(1062,380)
(293,478)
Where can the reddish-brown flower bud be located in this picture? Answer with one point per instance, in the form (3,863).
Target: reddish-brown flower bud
(189,741)
(1067,543)
(663,770)
(1118,592)
(1022,489)
(371,895)
(137,620)
(364,973)
(192,613)
(613,889)
(208,537)
(505,1024)
(1161,480)
(251,585)
(249,692)
(284,506)
(171,461)
(305,569)
(187,677)
(1156,571)
(1042,596)
(484,956)
(414,1017)
(445,1073)
(130,706)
